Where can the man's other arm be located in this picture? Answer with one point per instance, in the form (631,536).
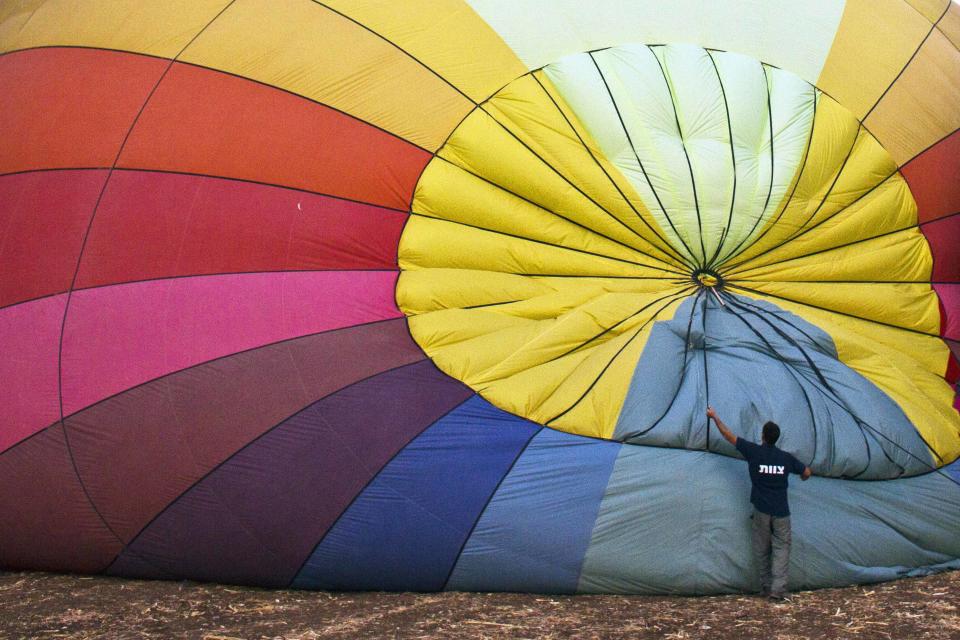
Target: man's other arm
(724,430)
(804,471)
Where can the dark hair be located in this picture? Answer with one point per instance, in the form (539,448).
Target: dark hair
(771,433)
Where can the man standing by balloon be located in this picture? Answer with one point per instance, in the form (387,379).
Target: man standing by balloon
(769,469)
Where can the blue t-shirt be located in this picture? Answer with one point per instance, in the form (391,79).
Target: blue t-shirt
(769,468)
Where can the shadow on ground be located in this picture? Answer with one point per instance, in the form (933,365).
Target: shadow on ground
(39,605)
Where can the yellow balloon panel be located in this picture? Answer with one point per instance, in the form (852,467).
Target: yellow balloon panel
(874,41)
(907,366)
(445,35)
(922,105)
(348,68)
(154,27)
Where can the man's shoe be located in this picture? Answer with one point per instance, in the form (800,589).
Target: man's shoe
(778,597)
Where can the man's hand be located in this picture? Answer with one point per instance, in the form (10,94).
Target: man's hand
(807,472)
(724,431)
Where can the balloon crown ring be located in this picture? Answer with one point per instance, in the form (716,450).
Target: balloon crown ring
(707,278)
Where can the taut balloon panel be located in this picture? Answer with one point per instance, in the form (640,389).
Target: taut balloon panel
(434,295)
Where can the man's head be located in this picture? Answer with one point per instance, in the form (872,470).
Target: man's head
(771,433)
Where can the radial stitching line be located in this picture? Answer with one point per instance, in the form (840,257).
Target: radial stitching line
(706,376)
(816,224)
(615,356)
(842,403)
(184,276)
(549,244)
(683,145)
(366,485)
(740,248)
(212,177)
(823,200)
(676,295)
(676,254)
(876,431)
(681,377)
(483,510)
(199,364)
(481,107)
(842,313)
(786,362)
(76,272)
(910,60)
(247,445)
(560,175)
(637,156)
(554,213)
(806,396)
(844,245)
(733,196)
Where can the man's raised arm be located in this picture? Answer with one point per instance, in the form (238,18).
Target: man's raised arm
(724,430)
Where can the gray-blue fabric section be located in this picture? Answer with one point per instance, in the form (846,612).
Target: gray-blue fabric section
(677,521)
(533,535)
(763,363)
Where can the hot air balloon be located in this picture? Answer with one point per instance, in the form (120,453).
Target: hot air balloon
(359,295)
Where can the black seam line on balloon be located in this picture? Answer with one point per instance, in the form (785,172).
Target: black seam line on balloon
(486,504)
(183,276)
(929,147)
(213,177)
(844,245)
(873,430)
(838,400)
(675,254)
(775,354)
(193,366)
(740,248)
(545,243)
(935,453)
(733,196)
(683,373)
(823,382)
(398,48)
(615,356)
(370,481)
(643,170)
(800,330)
(676,295)
(842,313)
(671,251)
(833,215)
(76,271)
(554,213)
(240,77)
(799,230)
(907,64)
(806,396)
(706,375)
(51,169)
(212,470)
(576,188)
(686,155)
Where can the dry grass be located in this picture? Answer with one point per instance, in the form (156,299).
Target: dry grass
(38,605)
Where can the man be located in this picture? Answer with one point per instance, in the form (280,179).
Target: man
(769,468)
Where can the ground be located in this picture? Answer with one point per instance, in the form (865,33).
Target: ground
(40,605)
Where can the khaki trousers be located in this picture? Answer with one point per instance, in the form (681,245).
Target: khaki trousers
(771,550)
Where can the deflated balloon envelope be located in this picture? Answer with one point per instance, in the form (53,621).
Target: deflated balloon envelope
(341,296)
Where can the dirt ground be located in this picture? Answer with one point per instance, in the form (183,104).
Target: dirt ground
(39,605)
